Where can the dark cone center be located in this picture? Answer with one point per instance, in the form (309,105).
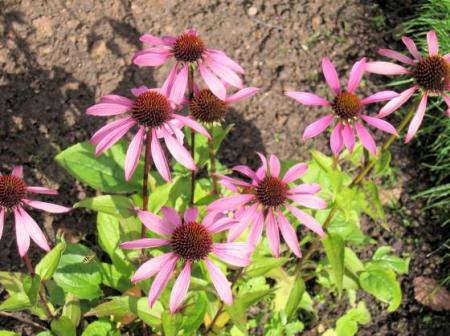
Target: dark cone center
(207,108)
(433,73)
(188,48)
(151,109)
(12,190)
(347,105)
(191,241)
(271,191)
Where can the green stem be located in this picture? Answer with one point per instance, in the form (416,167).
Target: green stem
(191,95)
(212,169)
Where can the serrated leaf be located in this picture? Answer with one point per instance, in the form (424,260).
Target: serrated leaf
(334,249)
(119,206)
(47,266)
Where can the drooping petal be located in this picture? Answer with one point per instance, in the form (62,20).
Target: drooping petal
(247,171)
(227,75)
(237,229)
(412,47)
(49,207)
(17,171)
(255,234)
(263,168)
(144,243)
(348,137)
(331,76)
(192,124)
(433,44)
(190,215)
(396,55)
(179,86)
(380,124)
(42,190)
(166,88)
(220,57)
(107,109)
(386,68)
(151,57)
(242,94)
(155,223)
(22,237)
(2,221)
(417,119)
(159,158)
(213,83)
(366,138)
(236,254)
(397,102)
(295,172)
(318,126)
(152,266)
(336,140)
(230,202)
(220,282)
(306,188)
(273,236)
(380,96)
(275,166)
(307,98)
(306,219)
(134,153)
(109,128)
(179,153)
(309,201)
(161,280)
(289,234)
(356,75)
(34,231)
(115,135)
(180,288)
(171,216)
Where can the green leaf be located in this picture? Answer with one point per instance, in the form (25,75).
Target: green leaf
(382,164)
(15,302)
(47,266)
(262,265)
(325,162)
(352,262)
(8,333)
(382,258)
(347,325)
(119,206)
(111,277)
(372,203)
(63,327)
(171,323)
(382,284)
(193,314)
(151,316)
(334,249)
(32,287)
(101,328)
(295,297)
(119,307)
(104,172)
(72,309)
(13,281)
(77,277)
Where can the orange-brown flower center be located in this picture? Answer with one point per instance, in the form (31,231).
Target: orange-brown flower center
(151,109)
(271,191)
(433,73)
(207,108)
(347,105)
(191,241)
(12,190)
(188,48)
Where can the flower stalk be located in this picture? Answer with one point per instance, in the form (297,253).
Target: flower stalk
(212,167)
(191,96)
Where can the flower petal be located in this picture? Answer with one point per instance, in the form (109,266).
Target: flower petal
(115,135)
(237,229)
(227,75)
(306,219)
(295,172)
(107,109)
(221,224)
(273,236)
(222,58)
(306,188)
(159,158)
(318,126)
(179,153)
(348,137)
(190,215)
(152,266)
(22,237)
(180,288)
(336,140)
(242,94)
(161,280)
(179,86)
(166,88)
(115,99)
(109,128)
(417,119)
(307,98)
(331,76)
(275,166)
(49,207)
(229,202)
(171,215)
(154,40)
(42,190)
(34,231)
(366,138)
(2,221)
(213,83)
(144,243)
(309,201)
(255,234)
(247,171)
(395,103)
(289,234)
(356,75)
(220,282)
(412,47)
(137,91)
(386,68)
(155,223)
(134,153)
(151,57)
(236,254)
(380,124)
(380,96)
(17,171)
(396,56)
(191,123)
(433,44)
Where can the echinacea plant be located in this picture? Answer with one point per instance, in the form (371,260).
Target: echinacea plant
(185,254)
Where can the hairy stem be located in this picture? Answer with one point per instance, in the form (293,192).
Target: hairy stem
(147,165)
(191,95)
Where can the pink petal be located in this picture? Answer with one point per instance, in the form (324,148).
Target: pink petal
(161,280)
(179,153)
(2,221)
(263,163)
(150,57)
(396,55)
(110,139)
(134,153)
(309,201)
(179,86)
(152,266)
(180,288)
(356,75)
(227,75)
(242,94)
(289,234)
(306,219)
(254,236)
(159,158)
(229,202)
(223,59)
(22,237)
(171,216)
(247,171)
(307,98)
(191,123)
(348,137)
(107,109)
(109,128)
(190,215)
(433,44)
(137,91)
(306,188)
(168,83)
(380,124)
(236,254)
(17,171)
(395,103)
(336,140)
(115,99)
(275,165)
(213,83)
(221,224)
(318,126)
(34,231)
(42,190)
(331,76)
(155,224)
(366,138)
(244,221)
(417,119)
(154,40)
(411,47)
(144,243)
(386,68)
(273,236)
(295,172)
(49,207)
(234,181)
(380,96)
(220,282)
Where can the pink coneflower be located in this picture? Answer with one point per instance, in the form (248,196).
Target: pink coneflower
(13,197)
(431,75)
(153,111)
(190,242)
(208,108)
(188,48)
(347,109)
(265,197)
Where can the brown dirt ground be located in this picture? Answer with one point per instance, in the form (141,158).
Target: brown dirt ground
(59,57)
